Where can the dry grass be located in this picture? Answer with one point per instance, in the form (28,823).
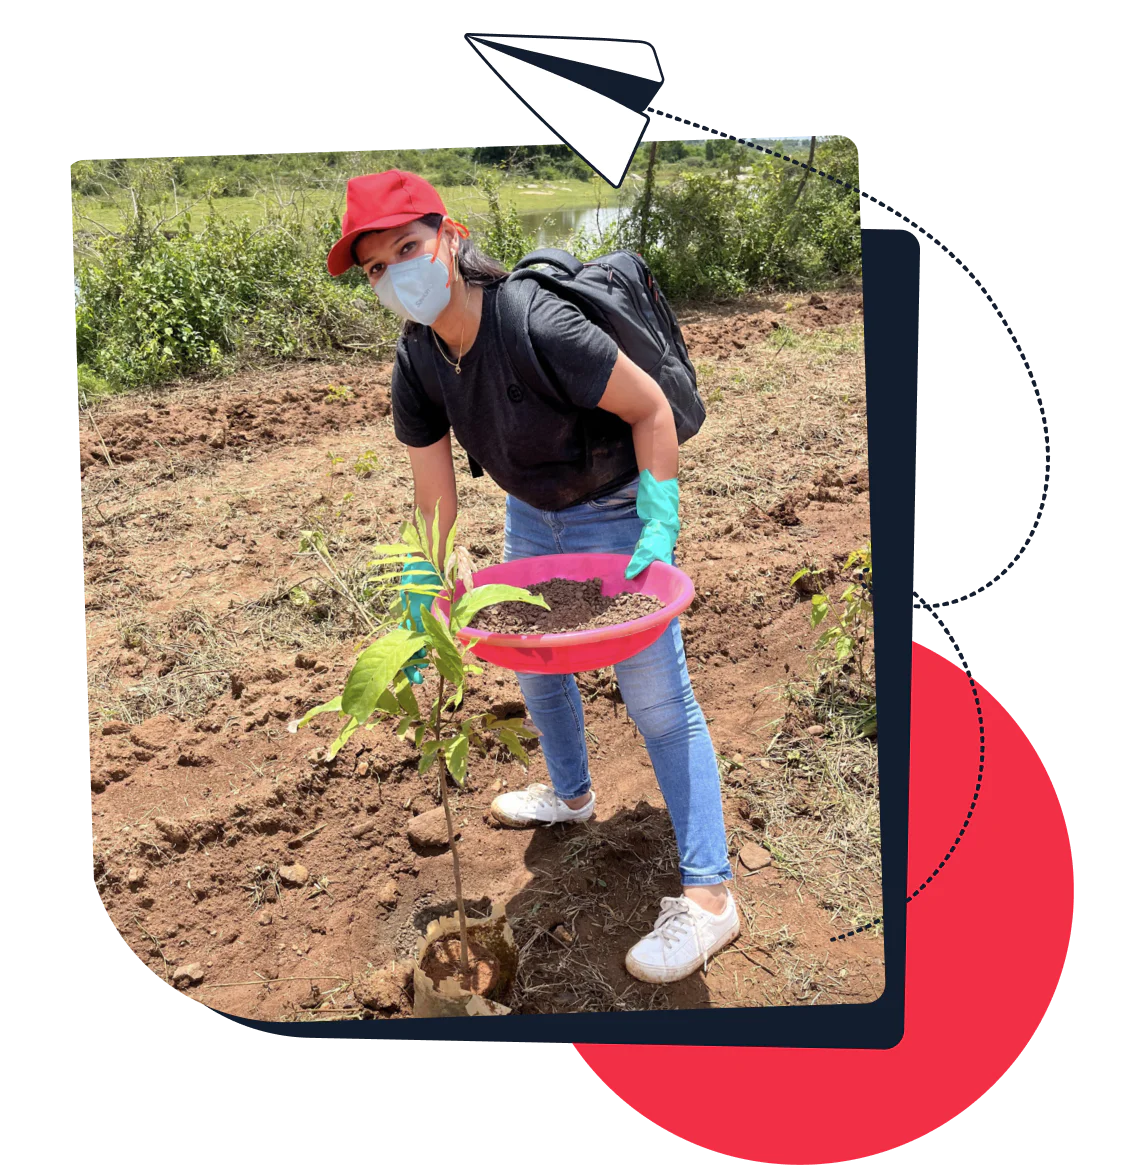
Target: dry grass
(800,395)
(817,810)
(192,657)
(567,914)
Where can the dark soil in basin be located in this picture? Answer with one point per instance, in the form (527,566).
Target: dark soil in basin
(573,606)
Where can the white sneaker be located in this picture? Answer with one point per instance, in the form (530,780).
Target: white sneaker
(684,938)
(537,805)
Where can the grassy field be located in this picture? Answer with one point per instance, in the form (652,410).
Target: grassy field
(461,201)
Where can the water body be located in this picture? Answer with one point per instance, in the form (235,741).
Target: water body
(558,223)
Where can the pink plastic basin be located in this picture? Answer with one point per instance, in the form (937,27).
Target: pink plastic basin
(575,651)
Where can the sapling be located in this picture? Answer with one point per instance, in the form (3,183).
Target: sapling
(378,688)
(848,640)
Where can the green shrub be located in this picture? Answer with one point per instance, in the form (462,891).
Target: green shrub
(499,233)
(736,221)
(152,306)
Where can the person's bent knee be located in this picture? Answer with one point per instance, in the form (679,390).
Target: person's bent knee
(662,720)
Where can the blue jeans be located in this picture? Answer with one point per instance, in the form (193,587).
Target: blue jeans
(654,685)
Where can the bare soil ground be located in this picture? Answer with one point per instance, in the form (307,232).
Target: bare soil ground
(271,885)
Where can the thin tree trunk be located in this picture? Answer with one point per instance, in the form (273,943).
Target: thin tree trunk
(646,205)
(464,957)
(464,954)
(806,172)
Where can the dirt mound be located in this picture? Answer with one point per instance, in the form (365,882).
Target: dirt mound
(282,404)
(781,516)
(726,334)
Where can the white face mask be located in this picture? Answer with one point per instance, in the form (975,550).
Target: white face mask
(416,289)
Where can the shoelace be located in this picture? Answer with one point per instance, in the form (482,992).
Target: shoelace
(675,916)
(539,794)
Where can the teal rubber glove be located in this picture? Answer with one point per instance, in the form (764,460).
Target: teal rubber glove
(418,573)
(658,505)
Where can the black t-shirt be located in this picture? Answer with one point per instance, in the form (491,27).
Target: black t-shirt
(550,447)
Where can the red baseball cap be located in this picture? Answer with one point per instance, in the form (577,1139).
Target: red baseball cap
(379,201)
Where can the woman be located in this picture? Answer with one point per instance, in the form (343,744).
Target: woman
(622,498)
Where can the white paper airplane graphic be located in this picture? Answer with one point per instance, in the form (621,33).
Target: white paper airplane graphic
(591,92)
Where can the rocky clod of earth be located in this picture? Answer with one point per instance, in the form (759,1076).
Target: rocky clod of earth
(388,894)
(754,857)
(295,875)
(174,833)
(383,990)
(189,975)
(428,829)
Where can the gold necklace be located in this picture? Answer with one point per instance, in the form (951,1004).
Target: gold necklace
(455,364)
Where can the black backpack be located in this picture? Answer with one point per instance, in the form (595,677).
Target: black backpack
(618,293)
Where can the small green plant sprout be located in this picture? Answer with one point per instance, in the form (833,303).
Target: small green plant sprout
(847,641)
(377,688)
(338,394)
(366,464)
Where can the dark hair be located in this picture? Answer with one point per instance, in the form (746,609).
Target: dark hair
(473,265)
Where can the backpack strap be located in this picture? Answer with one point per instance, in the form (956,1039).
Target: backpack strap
(513,301)
(554,257)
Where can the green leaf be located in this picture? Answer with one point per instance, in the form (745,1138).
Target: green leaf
(513,722)
(450,542)
(456,758)
(376,668)
(405,694)
(446,651)
(421,532)
(393,550)
(463,612)
(387,702)
(514,745)
(342,739)
(333,705)
(439,560)
(455,698)
(429,591)
(410,535)
(819,609)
